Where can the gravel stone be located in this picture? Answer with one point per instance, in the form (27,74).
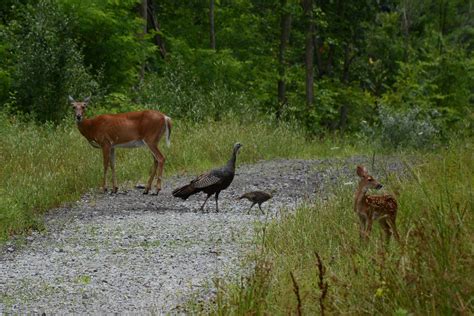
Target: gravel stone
(135,253)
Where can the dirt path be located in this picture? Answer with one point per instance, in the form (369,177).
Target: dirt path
(135,253)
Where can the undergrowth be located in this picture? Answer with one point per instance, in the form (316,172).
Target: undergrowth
(44,166)
(312,262)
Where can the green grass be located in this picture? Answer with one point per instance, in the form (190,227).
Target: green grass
(431,273)
(44,166)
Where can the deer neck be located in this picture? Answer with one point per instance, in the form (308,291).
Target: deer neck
(359,196)
(85,127)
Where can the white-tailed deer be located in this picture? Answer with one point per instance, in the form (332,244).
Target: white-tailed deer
(374,207)
(127,130)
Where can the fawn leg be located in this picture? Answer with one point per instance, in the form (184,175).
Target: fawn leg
(362,226)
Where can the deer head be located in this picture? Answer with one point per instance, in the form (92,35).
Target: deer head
(366,180)
(79,108)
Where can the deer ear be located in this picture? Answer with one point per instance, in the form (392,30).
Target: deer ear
(361,171)
(86,100)
(71,99)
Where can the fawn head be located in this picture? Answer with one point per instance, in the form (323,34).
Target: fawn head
(366,180)
(79,108)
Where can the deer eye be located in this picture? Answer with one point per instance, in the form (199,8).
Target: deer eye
(371,179)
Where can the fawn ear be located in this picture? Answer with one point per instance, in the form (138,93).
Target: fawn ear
(86,100)
(71,99)
(361,171)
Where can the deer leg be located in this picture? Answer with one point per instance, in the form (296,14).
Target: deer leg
(202,206)
(152,176)
(362,226)
(260,207)
(106,156)
(393,227)
(248,212)
(368,229)
(159,161)
(386,228)
(112,167)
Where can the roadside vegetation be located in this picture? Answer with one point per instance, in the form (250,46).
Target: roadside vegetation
(312,262)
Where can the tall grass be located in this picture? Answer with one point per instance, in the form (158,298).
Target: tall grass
(429,273)
(44,166)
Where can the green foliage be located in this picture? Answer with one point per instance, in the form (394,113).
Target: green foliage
(179,93)
(110,33)
(384,48)
(5,67)
(326,113)
(398,53)
(427,273)
(47,63)
(440,82)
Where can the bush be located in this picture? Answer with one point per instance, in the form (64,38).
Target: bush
(178,93)
(403,128)
(330,101)
(48,63)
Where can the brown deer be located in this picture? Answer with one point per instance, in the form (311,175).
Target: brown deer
(374,207)
(126,130)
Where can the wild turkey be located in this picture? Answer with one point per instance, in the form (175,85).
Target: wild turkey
(212,182)
(256,197)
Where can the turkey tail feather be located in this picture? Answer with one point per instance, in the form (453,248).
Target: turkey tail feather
(184,192)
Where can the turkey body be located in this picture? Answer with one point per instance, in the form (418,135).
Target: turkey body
(212,182)
(256,197)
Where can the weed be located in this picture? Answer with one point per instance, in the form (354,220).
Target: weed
(425,275)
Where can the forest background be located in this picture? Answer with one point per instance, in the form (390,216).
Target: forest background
(402,68)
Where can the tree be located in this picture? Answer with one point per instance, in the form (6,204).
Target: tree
(309,50)
(155,26)
(211,25)
(285,25)
(48,62)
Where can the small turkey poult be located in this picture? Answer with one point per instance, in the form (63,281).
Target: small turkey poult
(212,182)
(256,197)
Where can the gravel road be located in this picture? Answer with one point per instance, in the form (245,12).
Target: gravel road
(138,253)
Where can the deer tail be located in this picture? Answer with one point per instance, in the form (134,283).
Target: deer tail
(168,130)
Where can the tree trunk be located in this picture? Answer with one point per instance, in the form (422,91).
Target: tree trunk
(156,27)
(285,25)
(309,51)
(345,81)
(211,24)
(319,51)
(143,14)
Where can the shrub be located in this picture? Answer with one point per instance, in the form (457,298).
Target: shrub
(403,128)
(48,63)
(178,93)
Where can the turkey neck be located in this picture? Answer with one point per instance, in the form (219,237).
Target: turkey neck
(231,162)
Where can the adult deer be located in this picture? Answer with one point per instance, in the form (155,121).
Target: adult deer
(374,207)
(127,130)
